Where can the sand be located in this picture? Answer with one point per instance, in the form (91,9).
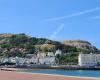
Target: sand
(10,75)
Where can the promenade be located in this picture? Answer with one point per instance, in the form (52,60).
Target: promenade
(7,75)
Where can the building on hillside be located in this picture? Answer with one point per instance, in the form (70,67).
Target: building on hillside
(19,60)
(41,55)
(50,54)
(16,60)
(4,60)
(58,52)
(34,60)
(89,60)
(47,60)
(12,60)
(30,55)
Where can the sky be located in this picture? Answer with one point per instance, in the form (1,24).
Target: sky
(54,19)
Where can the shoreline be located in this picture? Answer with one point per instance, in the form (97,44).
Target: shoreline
(17,70)
(55,67)
(13,75)
(62,75)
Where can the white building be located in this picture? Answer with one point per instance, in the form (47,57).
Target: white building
(4,60)
(89,59)
(58,52)
(47,60)
(50,54)
(17,60)
(12,60)
(34,60)
(41,55)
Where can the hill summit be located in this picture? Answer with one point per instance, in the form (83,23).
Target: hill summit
(80,44)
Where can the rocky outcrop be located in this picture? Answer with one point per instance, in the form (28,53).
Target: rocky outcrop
(80,44)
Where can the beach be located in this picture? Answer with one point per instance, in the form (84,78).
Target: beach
(12,75)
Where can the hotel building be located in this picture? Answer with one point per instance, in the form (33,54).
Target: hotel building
(89,60)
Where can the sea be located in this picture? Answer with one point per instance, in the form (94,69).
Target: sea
(77,73)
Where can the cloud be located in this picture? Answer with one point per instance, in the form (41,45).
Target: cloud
(72,15)
(95,17)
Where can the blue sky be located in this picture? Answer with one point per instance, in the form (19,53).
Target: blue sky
(43,18)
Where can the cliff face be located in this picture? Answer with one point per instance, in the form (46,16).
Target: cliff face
(80,44)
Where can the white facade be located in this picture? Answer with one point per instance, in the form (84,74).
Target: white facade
(18,61)
(41,55)
(88,59)
(50,54)
(58,52)
(34,60)
(12,60)
(47,60)
(3,60)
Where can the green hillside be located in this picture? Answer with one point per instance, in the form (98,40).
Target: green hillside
(22,44)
